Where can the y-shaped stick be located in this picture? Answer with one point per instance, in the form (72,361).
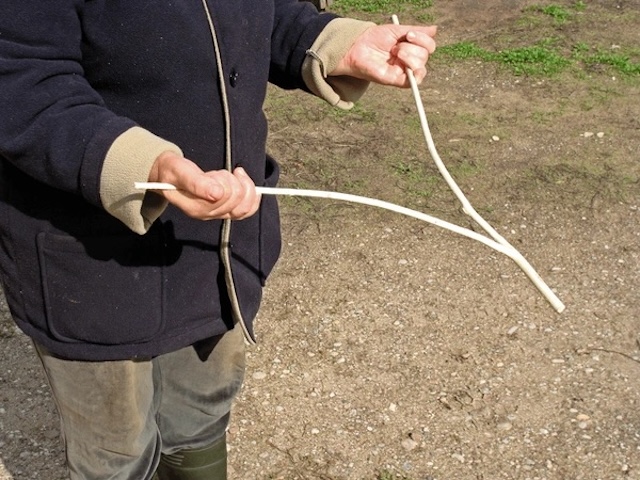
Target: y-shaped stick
(507,250)
(466,205)
(497,242)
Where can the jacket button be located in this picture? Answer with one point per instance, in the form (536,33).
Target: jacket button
(233,78)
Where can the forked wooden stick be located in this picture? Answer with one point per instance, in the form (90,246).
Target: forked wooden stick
(496,242)
(466,205)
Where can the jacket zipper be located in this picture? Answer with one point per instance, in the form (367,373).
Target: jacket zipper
(225,249)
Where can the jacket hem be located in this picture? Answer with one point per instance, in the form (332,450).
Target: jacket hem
(90,352)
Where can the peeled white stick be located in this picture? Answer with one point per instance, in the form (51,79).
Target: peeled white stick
(507,250)
(466,205)
(347,197)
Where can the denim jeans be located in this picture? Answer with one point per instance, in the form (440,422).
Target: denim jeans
(118,417)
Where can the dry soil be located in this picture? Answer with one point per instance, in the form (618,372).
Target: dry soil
(393,349)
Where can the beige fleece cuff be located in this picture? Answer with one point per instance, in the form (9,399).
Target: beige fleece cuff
(323,57)
(129,160)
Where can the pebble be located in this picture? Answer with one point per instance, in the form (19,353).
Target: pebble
(504,426)
(408,444)
(259,375)
(458,456)
(495,138)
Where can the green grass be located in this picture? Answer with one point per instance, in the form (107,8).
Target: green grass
(359,112)
(380,6)
(538,59)
(543,59)
(619,62)
(559,14)
(414,179)
(533,60)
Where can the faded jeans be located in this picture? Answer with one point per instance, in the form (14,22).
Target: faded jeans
(118,417)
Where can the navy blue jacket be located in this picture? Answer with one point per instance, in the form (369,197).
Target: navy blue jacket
(75,75)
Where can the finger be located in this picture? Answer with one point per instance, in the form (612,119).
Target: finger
(234,194)
(413,56)
(422,36)
(188,178)
(251,201)
(206,188)
(196,195)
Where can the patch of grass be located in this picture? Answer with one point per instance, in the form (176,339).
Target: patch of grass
(580,6)
(358,112)
(620,62)
(533,60)
(464,169)
(414,180)
(559,14)
(380,6)
(537,59)
(544,59)
(356,186)
(463,51)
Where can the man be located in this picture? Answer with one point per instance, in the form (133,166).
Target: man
(138,302)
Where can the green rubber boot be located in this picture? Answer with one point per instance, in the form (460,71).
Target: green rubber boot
(208,463)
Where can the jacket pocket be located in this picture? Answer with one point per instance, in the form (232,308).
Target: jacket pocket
(104,290)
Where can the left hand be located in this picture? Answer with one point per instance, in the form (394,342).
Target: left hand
(382,53)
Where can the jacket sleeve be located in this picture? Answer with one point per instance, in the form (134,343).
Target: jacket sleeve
(325,54)
(53,125)
(307,45)
(296,25)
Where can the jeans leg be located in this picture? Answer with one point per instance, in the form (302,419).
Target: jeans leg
(107,417)
(116,417)
(197,388)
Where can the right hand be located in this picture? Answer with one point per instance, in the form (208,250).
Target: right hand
(218,194)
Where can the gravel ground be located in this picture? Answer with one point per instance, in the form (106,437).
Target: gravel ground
(392,350)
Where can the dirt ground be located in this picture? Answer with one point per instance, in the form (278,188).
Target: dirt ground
(391,349)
